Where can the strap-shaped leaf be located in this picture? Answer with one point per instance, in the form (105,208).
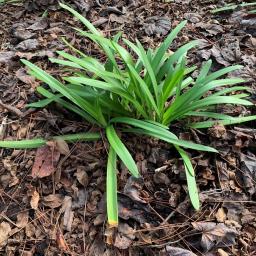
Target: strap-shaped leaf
(121,150)
(234,120)
(111,187)
(191,181)
(87,23)
(160,133)
(35,143)
(58,86)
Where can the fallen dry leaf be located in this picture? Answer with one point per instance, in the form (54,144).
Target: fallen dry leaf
(22,219)
(24,77)
(53,200)
(82,176)
(34,200)
(62,245)
(28,45)
(122,242)
(45,162)
(5,229)
(30,230)
(157,25)
(5,57)
(215,235)
(222,253)
(68,213)
(176,251)
(40,24)
(62,147)
(248,168)
(221,215)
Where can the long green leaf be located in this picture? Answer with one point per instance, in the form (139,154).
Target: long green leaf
(121,150)
(111,186)
(109,87)
(191,181)
(35,143)
(160,133)
(234,120)
(58,86)
(81,18)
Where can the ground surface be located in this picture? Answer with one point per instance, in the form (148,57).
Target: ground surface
(64,213)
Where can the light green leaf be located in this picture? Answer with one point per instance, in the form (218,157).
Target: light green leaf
(191,181)
(121,150)
(112,204)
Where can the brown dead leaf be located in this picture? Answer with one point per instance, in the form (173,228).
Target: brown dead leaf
(68,213)
(5,229)
(22,219)
(40,24)
(176,251)
(218,131)
(53,200)
(222,253)
(122,242)
(24,77)
(5,57)
(30,55)
(215,235)
(34,200)
(157,25)
(212,29)
(124,237)
(46,161)
(248,169)
(28,45)
(221,215)
(133,189)
(30,230)
(82,176)
(62,245)
(62,146)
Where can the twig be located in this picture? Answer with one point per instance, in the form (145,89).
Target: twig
(11,109)
(17,111)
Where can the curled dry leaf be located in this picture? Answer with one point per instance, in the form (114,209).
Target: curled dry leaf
(176,251)
(28,45)
(46,161)
(40,24)
(22,219)
(133,189)
(24,77)
(124,237)
(34,200)
(248,168)
(222,253)
(122,242)
(53,200)
(221,215)
(215,235)
(30,230)
(82,176)
(62,147)
(68,213)
(157,25)
(62,245)
(5,57)
(5,229)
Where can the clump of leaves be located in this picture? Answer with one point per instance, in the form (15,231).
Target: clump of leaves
(144,95)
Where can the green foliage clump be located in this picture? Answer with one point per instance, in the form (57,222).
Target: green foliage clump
(143,95)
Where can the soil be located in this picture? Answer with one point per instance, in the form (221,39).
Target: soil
(64,213)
